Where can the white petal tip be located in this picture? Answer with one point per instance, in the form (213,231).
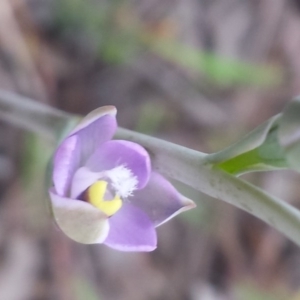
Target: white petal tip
(94,115)
(188,204)
(101,111)
(125,248)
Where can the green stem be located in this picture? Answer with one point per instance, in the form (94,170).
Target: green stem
(186,165)
(34,116)
(190,167)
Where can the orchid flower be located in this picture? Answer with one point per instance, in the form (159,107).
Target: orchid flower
(104,190)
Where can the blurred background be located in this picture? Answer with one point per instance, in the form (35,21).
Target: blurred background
(200,73)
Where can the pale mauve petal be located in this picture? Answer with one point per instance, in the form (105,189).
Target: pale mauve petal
(115,153)
(93,116)
(82,179)
(96,128)
(160,200)
(131,230)
(79,220)
(94,135)
(65,162)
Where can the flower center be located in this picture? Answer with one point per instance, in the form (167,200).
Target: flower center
(122,180)
(107,193)
(96,194)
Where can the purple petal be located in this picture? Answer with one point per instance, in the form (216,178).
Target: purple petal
(115,153)
(79,220)
(160,200)
(97,133)
(131,230)
(64,164)
(93,116)
(96,128)
(82,179)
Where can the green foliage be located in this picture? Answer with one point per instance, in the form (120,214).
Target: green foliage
(119,36)
(247,291)
(219,70)
(289,133)
(268,156)
(100,22)
(150,117)
(36,156)
(273,145)
(84,290)
(257,151)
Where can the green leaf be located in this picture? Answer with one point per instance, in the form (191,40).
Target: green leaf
(289,133)
(259,150)
(247,143)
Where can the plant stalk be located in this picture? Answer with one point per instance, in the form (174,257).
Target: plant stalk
(31,115)
(190,167)
(180,163)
